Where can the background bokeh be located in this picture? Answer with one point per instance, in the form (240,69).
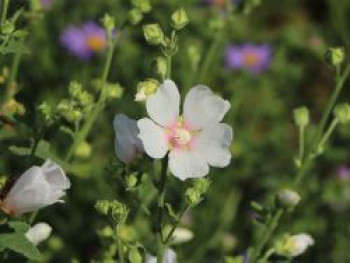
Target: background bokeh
(265,138)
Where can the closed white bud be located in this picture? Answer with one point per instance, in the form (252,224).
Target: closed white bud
(288,198)
(169,257)
(38,233)
(36,188)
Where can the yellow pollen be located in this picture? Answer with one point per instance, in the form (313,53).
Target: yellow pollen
(96,43)
(250,59)
(183,136)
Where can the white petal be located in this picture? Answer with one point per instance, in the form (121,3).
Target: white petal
(163,106)
(30,192)
(38,233)
(214,144)
(153,138)
(203,108)
(169,257)
(187,164)
(55,176)
(127,143)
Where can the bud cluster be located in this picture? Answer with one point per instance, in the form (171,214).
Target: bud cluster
(116,210)
(140,7)
(194,194)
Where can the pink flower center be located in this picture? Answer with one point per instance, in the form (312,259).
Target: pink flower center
(96,43)
(180,136)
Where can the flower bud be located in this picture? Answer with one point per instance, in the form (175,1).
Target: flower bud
(193,197)
(179,19)
(335,56)
(143,5)
(14,107)
(38,233)
(342,113)
(75,89)
(180,235)
(108,23)
(202,185)
(153,34)
(145,89)
(135,16)
(46,111)
(301,116)
(287,198)
(131,181)
(119,212)
(293,245)
(102,206)
(7,27)
(83,150)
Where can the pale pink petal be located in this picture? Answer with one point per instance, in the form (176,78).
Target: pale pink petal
(214,144)
(185,164)
(153,138)
(55,176)
(202,108)
(163,106)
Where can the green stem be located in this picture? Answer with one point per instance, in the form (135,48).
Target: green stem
(328,133)
(301,143)
(273,223)
(161,191)
(120,246)
(267,255)
(4,11)
(99,106)
(340,80)
(182,212)
(9,93)
(168,59)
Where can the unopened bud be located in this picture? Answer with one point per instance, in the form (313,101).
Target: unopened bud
(131,181)
(342,113)
(135,16)
(102,206)
(179,19)
(38,233)
(143,5)
(335,56)
(145,89)
(293,245)
(7,27)
(119,212)
(288,198)
(83,150)
(108,23)
(153,34)
(301,116)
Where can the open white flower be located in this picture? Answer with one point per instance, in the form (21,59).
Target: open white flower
(301,242)
(127,144)
(293,245)
(38,233)
(169,257)
(36,188)
(194,140)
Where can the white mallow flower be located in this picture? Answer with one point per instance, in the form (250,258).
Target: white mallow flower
(36,188)
(293,245)
(301,243)
(169,257)
(38,233)
(194,140)
(127,144)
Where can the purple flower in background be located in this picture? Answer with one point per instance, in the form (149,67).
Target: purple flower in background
(343,172)
(46,4)
(254,58)
(85,41)
(221,3)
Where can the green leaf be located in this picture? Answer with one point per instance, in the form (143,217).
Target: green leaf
(135,256)
(171,212)
(20,244)
(21,151)
(15,47)
(18,226)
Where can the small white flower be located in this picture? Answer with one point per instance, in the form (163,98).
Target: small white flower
(195,140)
(38,233)
(293,245)
(301,243)
(127,144)
(169,257)
(36,188)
